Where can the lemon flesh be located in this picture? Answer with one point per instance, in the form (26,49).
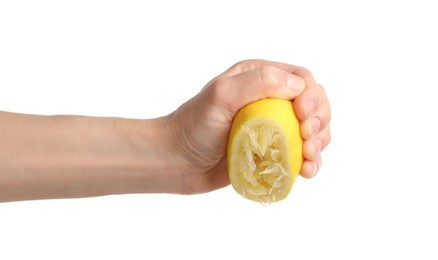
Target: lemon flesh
(264,150)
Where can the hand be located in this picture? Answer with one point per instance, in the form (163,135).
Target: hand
(200,127)
(184,152)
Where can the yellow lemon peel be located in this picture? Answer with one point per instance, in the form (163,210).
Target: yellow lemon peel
(264,152)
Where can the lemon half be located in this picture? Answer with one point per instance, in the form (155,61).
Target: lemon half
(264,150)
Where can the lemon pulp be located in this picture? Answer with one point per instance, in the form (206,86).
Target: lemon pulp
(264,150)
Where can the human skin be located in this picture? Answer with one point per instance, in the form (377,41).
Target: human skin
(48,157)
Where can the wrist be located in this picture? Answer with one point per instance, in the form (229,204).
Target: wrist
(154,165)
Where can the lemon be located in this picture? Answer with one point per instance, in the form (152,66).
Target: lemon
(264,152)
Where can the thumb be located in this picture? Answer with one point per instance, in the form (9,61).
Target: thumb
(262,82)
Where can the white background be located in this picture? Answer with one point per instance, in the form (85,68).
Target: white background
(374,198)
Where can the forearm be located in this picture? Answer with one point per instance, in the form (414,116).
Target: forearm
(45,157)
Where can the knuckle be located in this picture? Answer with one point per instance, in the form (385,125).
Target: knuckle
(328,137)
(244,65)
(324,115)
(247,65)
(322,90)
(329,116)
(303,71)
(267,76)
(327,112)
(306,74)
(217,88)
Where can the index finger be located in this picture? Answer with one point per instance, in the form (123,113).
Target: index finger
(306,103)
(248,65)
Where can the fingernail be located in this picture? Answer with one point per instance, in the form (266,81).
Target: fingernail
(295,83)
(315,169)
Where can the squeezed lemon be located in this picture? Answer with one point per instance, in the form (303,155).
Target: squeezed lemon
(264,150)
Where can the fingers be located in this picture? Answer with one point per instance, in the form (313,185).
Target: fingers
(308,102)
(261,82)
(305,104)
(248,65)
(313,109)
(313,123)
(251,80)
(310,168)
(313,147)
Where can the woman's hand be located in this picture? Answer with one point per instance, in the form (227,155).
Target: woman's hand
(46,157)
(200,127)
